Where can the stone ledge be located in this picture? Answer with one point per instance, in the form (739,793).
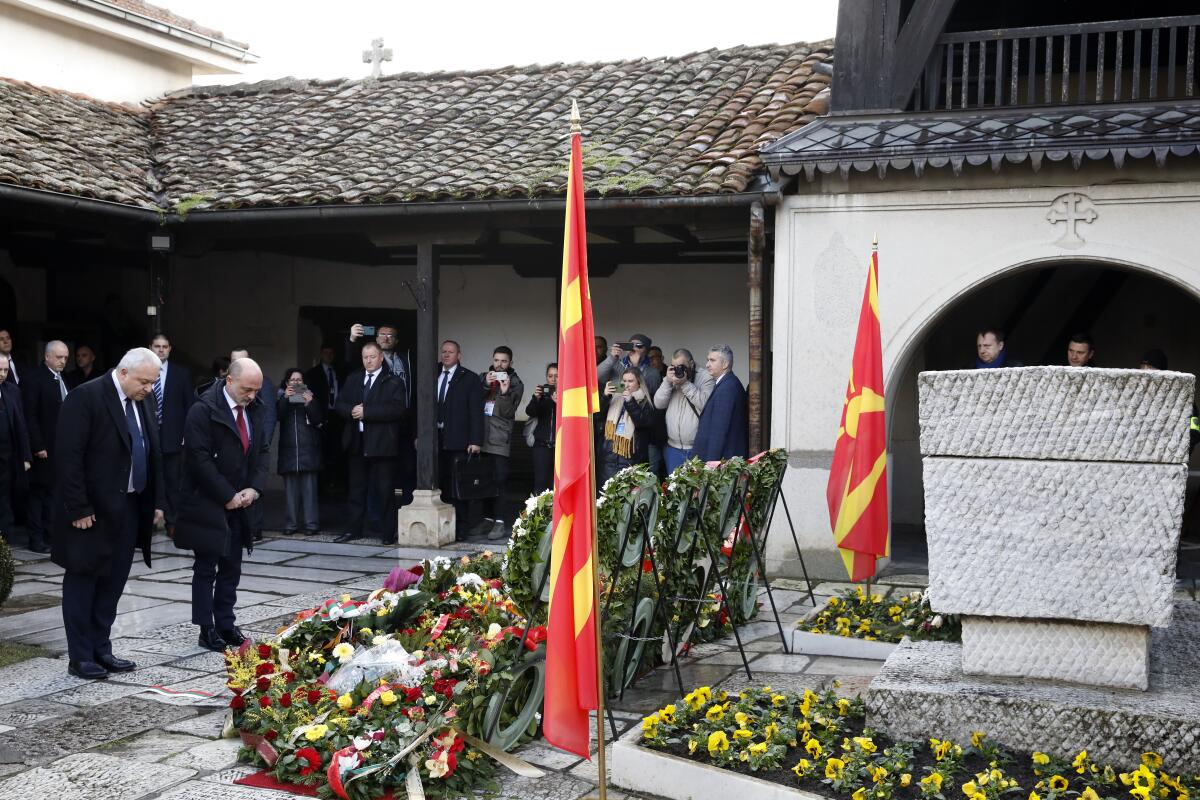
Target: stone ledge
(922,692)
(1057,413)
(1053,539)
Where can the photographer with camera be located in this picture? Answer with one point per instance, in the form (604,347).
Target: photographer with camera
(542,410)
(682,395)
(634,353)
(300,420)
(502,392)
(628,422)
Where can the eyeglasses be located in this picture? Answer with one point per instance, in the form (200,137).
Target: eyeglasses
(385,336)
(639,346)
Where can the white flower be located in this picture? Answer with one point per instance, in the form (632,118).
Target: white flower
(531,503)
(470,579)
(348,762)
(363,742)
(378,640)
(343,651)
(908,623)
(937,621)
(493,631)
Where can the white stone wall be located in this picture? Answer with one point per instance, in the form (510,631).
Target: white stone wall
(940,238)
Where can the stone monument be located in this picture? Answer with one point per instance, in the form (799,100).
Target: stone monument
(1053,503)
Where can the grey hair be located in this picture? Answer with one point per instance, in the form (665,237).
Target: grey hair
(50,345)
(726,353)
(683,351)
(138,356)
(236,368)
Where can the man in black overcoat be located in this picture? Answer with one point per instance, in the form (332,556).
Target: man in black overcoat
(225,454)
(15,456)
(175,394)
(460,427)
(108,494)
(42,392)
(372,403)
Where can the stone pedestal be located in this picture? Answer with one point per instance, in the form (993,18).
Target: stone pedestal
(426,521)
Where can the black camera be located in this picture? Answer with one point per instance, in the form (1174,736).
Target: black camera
(547,388)
(680,370)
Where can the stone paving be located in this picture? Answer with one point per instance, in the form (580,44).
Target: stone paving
(130,738)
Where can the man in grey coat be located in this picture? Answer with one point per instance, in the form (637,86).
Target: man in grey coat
(682,394)
(502,391)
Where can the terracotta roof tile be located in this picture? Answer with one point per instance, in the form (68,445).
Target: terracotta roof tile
(171,18)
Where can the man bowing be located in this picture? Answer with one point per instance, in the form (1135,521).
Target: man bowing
(108,494)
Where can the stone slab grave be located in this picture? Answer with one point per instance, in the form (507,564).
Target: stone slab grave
(1053,503)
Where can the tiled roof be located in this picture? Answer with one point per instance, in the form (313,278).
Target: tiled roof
(672,126)
(72,144)
(171,18)
(954,138)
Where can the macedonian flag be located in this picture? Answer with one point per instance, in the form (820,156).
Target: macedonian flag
(857,490)
(572,682)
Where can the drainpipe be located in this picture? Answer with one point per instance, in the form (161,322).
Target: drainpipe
(755,245)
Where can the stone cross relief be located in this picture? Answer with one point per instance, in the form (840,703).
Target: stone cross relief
(1071,209)
(376,56)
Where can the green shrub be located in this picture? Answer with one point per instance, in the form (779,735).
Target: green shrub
(7,568)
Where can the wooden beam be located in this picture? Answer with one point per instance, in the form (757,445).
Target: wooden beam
(427,356)
(915,42)
(858,68)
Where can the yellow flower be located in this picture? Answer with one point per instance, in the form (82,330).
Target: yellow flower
(865,744)
(932,781)
(758,748)
(770,731)
(905,779)
(1152,760)
(741,719)
(977,738)
(317,657)
(833,768)
(1034,796)
(969,788)
(778,700)
(814,748)
(692,745)
(345,702)
(718,742)
(1143,778)
(651,722)
(843,706)
(715,714)
(859,794)
(942,749)
(1040,758)
(742,733)
(343,651)
(316,732)
(802,768)
(1080,762)
(877,773)
(1089,794)
(1058,783)
(668,712)
(388,697)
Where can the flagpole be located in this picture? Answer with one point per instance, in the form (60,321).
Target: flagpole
(601,770)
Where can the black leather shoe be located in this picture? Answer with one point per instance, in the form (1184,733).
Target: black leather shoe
(348,537)
(211,640)
(38,546)
(232,636)
(114,664)
(88,670)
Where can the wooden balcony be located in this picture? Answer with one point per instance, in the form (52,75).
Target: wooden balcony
(1140,61)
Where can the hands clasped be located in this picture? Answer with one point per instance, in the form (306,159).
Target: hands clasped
(242,499)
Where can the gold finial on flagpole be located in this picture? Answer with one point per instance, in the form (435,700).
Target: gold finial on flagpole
(576,126)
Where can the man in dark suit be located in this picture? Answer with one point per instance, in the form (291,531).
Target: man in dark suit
(108,495)
(17,368)
(460,427)
(43,391)
(15,456)
(224,468)
(325,381)
(86,367)
(270,418)
(372,403)
(174,395)
(722,429)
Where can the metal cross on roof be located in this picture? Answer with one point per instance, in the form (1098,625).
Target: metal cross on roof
(376,56)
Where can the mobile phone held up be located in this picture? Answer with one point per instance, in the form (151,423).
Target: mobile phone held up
(626,346)
(368,330)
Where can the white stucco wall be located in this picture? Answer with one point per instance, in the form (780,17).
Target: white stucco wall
(934,246)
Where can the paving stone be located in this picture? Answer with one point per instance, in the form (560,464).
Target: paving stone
(151,623)
(92,776)
(90,726)
(783,662)
(208,756)
(784,682)
(553,786)
(97,693)
(35,677)
(38,568)
(730,658)
(261,556)
(757,630)
(590,770)
(178,647)
(772,645)
(185,629)
(228,776)
(160,565)
(26,588)
(833,665)
(151,746)
(546,756)
(205,662)
(207,790)
(709,648)
(298,546)
(283,586)
(852,685)
(356,564)
(663,678)
(213,686)
(295,571)
(299,602)
(906,580)
(173,575)
(160,675)
(27,712)
(206,726)
(182,592)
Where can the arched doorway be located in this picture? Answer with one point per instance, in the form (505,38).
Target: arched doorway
(1126,309)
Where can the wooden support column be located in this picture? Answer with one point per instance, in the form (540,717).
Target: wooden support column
(427,359)
(756,243)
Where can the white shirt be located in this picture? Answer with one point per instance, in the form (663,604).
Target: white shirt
(122,397)
(449,376)
(233,410)
(719,379)
(369,379)
(162,377)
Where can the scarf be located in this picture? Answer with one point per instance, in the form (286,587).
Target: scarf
(621,443)
(997,362)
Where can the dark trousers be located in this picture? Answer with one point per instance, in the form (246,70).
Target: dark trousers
(39,512)
(172,475)
(463,509)
(497,508)
(215,581)
(6,500)
(300,489)
(543,468)
(372,495)
(89,602)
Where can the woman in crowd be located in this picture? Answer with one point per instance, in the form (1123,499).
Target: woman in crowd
(300,422)
(628,424)
(542,408)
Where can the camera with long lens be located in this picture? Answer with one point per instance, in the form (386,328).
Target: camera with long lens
(680,370)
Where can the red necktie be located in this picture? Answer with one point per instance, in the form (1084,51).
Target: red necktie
(243,431)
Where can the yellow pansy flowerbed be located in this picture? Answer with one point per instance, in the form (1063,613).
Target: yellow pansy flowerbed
(883,618)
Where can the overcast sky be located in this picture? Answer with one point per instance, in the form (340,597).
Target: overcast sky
(320,39)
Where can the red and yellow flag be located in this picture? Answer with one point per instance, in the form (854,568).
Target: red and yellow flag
(857,490)
(571,668)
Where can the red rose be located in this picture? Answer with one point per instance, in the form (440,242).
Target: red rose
(290,677)
(308,759)
(417,570)
(263,683)
(271,735)
(285,700)
(237,703)
(412,694)
(445,687)
(264,669)
(264,651)
(264,702)
(314,696)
